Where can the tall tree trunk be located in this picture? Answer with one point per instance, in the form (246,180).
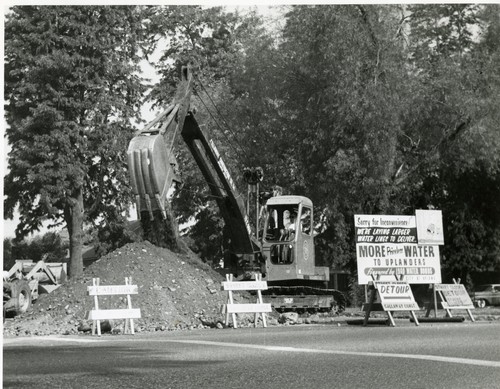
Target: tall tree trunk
(73,214)
(389,170)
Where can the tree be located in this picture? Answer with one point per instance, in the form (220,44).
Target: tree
(332,86)
(8,260)
(72,88)
(48,247)
(439,30)
(458,124)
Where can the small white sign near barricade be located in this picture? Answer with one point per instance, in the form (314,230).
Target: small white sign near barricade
(455,296)
(452,296)
(258,308)
(129,313)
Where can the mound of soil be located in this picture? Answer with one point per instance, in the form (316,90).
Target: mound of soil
(176,291)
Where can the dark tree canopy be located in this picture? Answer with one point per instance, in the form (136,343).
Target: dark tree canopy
(72,86)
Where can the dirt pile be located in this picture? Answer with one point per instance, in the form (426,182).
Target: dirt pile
(176,291)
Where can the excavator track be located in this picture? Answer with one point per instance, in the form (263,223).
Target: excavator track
(304,298)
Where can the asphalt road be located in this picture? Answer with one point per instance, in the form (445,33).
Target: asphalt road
(437,355)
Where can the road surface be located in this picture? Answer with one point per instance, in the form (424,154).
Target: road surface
(437,355)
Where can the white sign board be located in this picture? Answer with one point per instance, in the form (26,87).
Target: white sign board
(112,314)
(108,290)
(455,296)
(245,285)
(417,263)
(396,296)
(248,308)
(385,229)
(97,314)
(387,245)
(429,227)
(259,308)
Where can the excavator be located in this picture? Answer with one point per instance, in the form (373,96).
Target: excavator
(280,247)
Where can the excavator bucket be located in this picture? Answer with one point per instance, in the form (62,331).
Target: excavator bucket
(151,169)
(151,163)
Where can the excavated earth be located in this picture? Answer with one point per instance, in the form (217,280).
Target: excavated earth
(176,292)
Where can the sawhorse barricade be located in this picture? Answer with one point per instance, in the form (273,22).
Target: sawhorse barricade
(451,296)
(394,296)
(129,313)
(258,308)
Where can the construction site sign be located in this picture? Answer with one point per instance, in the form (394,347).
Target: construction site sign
(128,313)
(454,296)
(385,229)
(387,245)
(396,296)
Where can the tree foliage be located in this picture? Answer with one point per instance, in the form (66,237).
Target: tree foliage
(72,86)
(377,109)
(332,119)
(461,80)
(49,247)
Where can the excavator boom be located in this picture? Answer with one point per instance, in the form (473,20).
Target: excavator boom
(221,186)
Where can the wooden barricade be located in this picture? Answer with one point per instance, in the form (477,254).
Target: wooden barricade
(129,313)
(258,308)
(394,296)
(451,296)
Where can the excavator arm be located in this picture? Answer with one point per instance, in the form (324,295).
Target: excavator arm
(152,167)
(221,186)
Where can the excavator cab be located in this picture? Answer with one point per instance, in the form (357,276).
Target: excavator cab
(288,241)
(294,281)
